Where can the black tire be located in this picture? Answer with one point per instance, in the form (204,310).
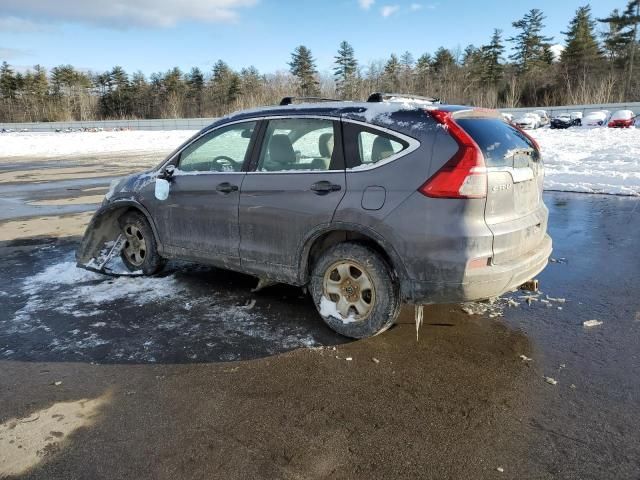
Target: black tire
(384,295)
(147,260)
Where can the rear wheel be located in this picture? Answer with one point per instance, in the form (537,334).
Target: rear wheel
(139,252)
(354,290)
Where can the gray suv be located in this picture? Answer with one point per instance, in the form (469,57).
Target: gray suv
(367,204)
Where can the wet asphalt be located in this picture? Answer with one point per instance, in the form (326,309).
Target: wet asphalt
(205,379)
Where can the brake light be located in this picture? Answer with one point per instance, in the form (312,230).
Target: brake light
(464,175)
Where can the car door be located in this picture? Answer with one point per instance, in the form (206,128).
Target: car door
(293,188)
(199,219)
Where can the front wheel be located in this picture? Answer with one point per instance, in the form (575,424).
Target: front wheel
(139,253)
(354,290)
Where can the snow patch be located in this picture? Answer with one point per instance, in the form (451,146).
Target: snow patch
(330,309)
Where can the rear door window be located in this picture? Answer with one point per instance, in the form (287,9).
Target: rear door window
(367,146)
(499,142)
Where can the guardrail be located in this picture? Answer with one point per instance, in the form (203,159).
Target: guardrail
(198,123)
(159,124)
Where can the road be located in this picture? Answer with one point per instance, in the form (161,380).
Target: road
(191,375)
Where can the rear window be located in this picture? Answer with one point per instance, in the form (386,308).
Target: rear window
(497,140)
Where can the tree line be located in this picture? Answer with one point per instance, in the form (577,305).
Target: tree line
(592,68)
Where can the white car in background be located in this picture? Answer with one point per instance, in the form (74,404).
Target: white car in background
(508,117)
(595,119)
(544,117)
(528,121)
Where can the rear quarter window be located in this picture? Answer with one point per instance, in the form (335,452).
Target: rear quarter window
(497,140)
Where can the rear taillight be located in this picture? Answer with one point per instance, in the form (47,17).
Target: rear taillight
(464,175)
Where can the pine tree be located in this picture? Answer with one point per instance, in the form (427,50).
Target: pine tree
(531,46)
(443,61)
(491,57)
(345,71)
(625,38)
(423,74)
(391,75)
(8,81)
(614,42)
(302,66)
(582,52)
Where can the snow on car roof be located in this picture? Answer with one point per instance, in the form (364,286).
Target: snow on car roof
(622,115)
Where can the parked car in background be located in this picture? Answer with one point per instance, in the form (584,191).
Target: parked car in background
(544,117)
(528,121)
(367,204)
(595,119)
(508,117)
(622,119)
(576,118)
(563,120)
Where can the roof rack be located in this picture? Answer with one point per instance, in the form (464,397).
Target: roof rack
(290,100)
(378,97)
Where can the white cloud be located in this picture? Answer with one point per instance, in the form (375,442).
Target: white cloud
(366,4)
(10,53)
(19,25)
(414,7)
(121,13)
(389,10)
(557,50)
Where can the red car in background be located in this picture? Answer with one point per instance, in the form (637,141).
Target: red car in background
(622,119)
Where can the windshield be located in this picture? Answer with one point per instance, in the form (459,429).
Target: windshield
(498,140)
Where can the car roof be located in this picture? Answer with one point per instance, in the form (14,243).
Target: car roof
(338,109)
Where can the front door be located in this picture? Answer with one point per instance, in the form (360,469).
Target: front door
(294,188)
(200,217)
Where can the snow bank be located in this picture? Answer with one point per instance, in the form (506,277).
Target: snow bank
(53,144)
(597,160)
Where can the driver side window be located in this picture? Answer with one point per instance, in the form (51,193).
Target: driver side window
(222,150)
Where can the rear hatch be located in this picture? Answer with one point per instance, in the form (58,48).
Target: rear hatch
(514,210)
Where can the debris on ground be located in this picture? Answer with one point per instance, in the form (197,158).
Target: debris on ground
(592,323)
(250,304)
(530,286)
(558,300)
(524,358)
(529,298)
(550,381)
(558,260)
(500,469)
(494,307)
(263,283)
(58,383)
(348,359)
(375,360)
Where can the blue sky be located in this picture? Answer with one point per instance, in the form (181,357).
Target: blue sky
(155,35)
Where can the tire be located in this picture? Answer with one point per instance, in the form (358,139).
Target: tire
(140,251)
(365,282)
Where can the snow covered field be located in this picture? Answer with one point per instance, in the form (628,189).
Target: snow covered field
(75,144)
(600,160)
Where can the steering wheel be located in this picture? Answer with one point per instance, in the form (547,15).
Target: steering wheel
(224,161)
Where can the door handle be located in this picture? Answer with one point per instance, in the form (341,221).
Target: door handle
(323,187)
(226,187)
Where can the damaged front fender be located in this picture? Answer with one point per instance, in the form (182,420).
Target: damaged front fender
(103,239)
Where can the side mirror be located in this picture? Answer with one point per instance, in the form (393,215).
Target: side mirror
(167,172)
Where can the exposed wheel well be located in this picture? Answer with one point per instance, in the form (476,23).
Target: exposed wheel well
(334,237)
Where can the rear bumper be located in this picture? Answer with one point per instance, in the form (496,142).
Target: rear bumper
(477,284)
